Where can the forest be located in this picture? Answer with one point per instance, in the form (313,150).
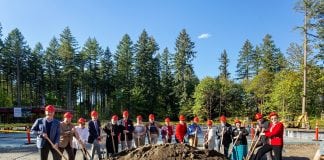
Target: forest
(143,78)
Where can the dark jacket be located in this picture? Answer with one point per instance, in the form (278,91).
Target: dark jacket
(93,133)
(39,127)
(227,137)
(129,127)
(108,128)
(242,138)
(263,140)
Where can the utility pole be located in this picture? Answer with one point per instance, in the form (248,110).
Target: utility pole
(305,66)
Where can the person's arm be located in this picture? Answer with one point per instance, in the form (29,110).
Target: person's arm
(57,134)
(276,131)
(35,128)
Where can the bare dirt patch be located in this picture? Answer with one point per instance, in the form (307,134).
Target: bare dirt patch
(168,152)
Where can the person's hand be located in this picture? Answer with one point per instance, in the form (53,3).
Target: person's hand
(56,146)
(125,131)
(112,133)
(262,134)
(44,135)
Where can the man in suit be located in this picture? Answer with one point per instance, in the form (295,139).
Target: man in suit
(126,137)
(50,128)
(94,135)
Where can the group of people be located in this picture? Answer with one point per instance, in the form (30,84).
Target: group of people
(267,143)
(56,136)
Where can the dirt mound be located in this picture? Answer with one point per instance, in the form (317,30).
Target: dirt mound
(168,152)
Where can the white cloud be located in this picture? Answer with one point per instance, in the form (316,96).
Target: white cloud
(204,36)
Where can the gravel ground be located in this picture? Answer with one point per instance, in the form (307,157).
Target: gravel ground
(291,152)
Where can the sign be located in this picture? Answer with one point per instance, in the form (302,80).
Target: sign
(17,112)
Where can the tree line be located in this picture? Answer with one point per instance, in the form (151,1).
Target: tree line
(143,79)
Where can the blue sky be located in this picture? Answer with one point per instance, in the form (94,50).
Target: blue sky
(220,24)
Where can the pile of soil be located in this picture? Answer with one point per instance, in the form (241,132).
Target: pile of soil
(168,152)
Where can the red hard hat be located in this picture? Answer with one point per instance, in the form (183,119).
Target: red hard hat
(167,119)
(114,117)
(196,119)
(50,108)
(273,114)
(258,116)
(209,122)
(125,113)
(94,114)
(182,118)
(237,121)
(68,115)
(139,117)
(151,116)
(222,118)
(81,120)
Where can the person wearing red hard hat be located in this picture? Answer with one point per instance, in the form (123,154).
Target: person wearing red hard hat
(275,134)
(44,128)
(112,130)
(66,135)
(83,133)
(239,133)
(153,129)
(209,138)
(126,137)
(94,134)
(167,131)
(262,125)
(181,129)
(193,131)
(224,135)
(139,132)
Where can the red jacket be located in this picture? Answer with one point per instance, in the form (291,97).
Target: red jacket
(180,132)
(275,134)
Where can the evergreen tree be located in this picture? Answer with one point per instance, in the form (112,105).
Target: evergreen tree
(124,77)
(91,52)
(245,64)
(107,84)
(35,75)
(256,60)
(272,59)
(167,84)
(67,52)
(14,53)
(185,79)
(146,74)
(224,65)
(53,73)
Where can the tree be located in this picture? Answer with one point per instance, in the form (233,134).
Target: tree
(244,65)
(106,81)
(285,97)
(185,79)
(272,59)
(14,54)
(53,73)
(261,87)
(167,95)
(124,77)
(91,53)
(146,74)
(256,60)
(295,57)
(35,76)
(224,65)
(206,98)
(67,51)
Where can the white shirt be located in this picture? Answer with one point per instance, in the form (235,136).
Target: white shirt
(83,134)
